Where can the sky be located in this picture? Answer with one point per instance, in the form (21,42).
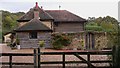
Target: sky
(82,8)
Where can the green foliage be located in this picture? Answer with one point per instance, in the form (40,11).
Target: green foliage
(105,24)
(91,26)
(41,43)
(59,41)
(9,20)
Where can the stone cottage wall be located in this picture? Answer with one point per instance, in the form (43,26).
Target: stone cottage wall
(79,38)
(100,41)
(26,42)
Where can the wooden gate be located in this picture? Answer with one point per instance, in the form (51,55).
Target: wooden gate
(37,61)
(37,55)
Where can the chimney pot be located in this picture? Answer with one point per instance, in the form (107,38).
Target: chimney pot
(41,7)
(36,5)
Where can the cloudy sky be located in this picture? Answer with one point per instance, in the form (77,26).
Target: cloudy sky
(83,8)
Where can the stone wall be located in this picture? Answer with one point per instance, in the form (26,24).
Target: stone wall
(26,42)
(77,40)
(101,41)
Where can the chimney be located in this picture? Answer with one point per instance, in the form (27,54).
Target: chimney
(36,12)
(36,6)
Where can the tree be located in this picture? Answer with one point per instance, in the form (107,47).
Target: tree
(105,24)
(9,20)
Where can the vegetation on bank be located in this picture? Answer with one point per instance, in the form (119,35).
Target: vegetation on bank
(9,20)
(104,24)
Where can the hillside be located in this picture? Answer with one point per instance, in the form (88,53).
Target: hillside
(9,20)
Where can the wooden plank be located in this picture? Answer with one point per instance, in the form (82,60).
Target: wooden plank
(81,53)
(39,58)
(56,62)
(63,60)
(10,61)
(113,56)
(17,54)
(101,61)
(88,59)
(35,64)
(92,52)
(15,63)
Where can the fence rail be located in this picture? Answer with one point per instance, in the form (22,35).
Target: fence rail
(37,55)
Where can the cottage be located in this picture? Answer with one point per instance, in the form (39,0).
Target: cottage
(38,24)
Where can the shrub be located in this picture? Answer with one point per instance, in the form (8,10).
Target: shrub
(93,28)
(41,43)
(59,41)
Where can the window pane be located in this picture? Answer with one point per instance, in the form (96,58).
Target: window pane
(33,35)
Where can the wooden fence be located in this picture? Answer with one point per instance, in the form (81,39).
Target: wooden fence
(37,55)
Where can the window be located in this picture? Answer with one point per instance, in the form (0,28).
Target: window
(56,24)
(33,35)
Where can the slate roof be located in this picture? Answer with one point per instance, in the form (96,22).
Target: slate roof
(30,15)
(33,25)
(64,16)
(56,15)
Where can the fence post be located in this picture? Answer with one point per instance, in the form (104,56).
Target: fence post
(114,56)
(39,66)
(35,64)
(63,60)
(118,57)
(10,61)
(88,59)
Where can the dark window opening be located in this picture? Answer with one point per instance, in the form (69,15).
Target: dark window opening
(56,24)
(33,35)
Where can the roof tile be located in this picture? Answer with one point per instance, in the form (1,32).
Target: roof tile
(34,24)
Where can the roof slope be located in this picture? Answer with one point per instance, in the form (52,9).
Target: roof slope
(34,24)
(64,16)
(30,15)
